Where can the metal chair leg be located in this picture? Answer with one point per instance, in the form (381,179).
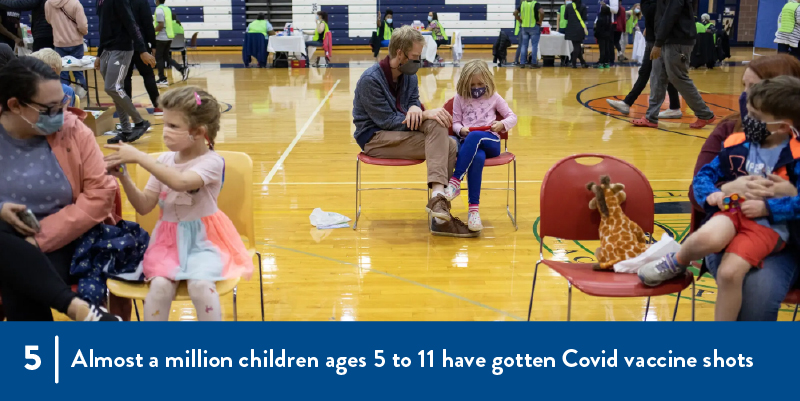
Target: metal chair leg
(136,308)
(569,302)
(795,312)
(261,285)
(358,193)
(646,309)
(533,287)
(675,313)
(235,311)
(516,226)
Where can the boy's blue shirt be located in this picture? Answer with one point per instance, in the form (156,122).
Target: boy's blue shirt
(730,164)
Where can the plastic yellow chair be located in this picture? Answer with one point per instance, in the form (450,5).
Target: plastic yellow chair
(235,200)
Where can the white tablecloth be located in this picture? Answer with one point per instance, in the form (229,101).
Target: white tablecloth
(554,44)
(429,51)
(292,44)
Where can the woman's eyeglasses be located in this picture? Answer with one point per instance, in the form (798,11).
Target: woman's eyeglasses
(54,110)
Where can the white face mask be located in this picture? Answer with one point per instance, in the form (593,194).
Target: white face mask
(430,18)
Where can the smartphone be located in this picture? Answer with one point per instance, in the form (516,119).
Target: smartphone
(29,219)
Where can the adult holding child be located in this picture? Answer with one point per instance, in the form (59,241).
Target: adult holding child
(390,123)
(763,289)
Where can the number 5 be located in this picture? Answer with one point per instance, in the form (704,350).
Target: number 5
(30,355)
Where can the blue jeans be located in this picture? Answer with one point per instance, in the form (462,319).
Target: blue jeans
(476,147)
(77,52)
(531,35)
(764,289)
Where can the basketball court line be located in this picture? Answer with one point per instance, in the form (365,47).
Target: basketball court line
(299,135)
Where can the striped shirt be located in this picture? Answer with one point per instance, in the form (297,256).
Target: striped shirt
(791,38)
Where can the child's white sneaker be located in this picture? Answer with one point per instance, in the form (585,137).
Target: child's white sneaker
(452,191)
(474,222)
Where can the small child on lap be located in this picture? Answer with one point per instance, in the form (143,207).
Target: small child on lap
(758,228)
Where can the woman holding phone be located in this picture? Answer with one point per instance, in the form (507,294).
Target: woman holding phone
(53,177)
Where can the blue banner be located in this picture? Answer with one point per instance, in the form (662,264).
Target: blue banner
(767,23)
(409,361)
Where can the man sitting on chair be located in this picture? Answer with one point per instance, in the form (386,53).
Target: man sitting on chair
(390,123)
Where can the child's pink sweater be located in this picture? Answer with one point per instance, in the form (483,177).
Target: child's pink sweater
(481,112)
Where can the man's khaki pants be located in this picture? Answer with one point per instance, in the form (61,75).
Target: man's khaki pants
(433,144)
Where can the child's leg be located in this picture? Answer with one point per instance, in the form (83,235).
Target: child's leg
(487,147)
(159,299)
(206,300)
(730,277)
(712,237)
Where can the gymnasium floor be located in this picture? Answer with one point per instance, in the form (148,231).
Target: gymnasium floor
(296,125)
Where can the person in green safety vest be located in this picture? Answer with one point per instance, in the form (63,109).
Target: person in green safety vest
(532,16)
(319,32)
(165,31)
(706,26)
(262,26)
(632,24)
(788,34)
(561,16)
(177,27)
(385,29)
(437,30)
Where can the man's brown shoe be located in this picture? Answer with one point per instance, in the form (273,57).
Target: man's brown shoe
(453,228)
(439,207)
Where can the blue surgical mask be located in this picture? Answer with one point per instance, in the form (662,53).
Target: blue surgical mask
(743,104)
(569,2)
(388,20)
(637,11)
(47,124)
(430,18)
(478,92)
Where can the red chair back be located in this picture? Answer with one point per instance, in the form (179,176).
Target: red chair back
(564,199)
(449,107)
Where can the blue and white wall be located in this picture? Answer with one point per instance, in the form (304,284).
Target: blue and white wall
(353,21)
(217,22)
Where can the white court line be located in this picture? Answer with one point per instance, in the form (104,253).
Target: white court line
(299,135)
(419,182)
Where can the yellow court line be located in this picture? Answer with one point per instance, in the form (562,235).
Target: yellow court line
(299,135)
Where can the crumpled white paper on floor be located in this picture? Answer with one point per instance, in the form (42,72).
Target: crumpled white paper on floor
(324,220)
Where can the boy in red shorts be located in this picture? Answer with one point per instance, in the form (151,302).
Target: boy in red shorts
(758,228)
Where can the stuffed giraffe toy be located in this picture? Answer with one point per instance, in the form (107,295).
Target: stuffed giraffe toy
(620,237)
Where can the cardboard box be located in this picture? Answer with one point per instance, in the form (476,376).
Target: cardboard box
(107,121)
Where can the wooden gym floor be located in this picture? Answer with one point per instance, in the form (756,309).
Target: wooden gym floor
(296,125)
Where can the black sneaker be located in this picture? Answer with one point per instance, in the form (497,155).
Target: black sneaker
(535,66)
(119,137)
(100,314)
(138,130)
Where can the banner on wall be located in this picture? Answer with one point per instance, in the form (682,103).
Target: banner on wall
(767,23)
(398,360)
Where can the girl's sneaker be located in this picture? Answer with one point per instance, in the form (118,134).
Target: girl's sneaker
(452,191)
(100,314)
(474,222)
(606,66)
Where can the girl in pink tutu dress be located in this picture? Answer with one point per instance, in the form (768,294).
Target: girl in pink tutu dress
(193,240)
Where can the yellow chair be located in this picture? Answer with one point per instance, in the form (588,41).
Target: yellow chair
(235,200)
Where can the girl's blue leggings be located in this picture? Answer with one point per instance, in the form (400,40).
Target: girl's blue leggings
(476,147)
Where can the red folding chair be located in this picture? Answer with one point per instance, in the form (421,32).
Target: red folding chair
(363,158)
(504,159)
(565,214)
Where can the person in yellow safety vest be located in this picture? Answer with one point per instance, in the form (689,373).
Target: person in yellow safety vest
(561,16)
(319,33)
(262,26)
(165,31)
(632,18)
(385,29)
(788,34)
(532,15)
(176,26)
(437,31)
(517,20)
(705,25)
